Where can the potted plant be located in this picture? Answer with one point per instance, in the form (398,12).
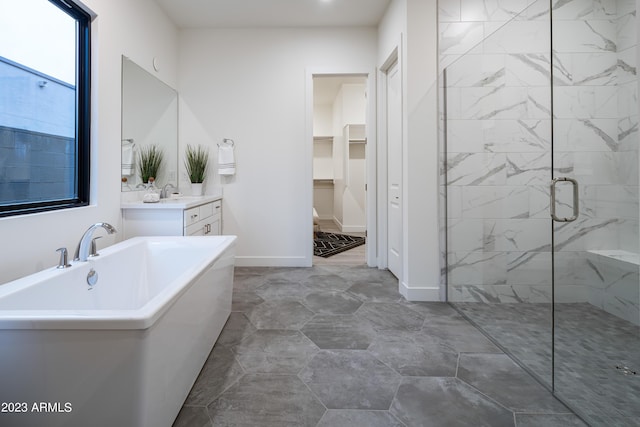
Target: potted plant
(149,161)
(196,160)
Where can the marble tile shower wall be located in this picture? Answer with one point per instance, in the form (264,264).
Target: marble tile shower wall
(498,122)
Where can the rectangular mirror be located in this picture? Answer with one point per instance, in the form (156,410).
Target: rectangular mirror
(149,117)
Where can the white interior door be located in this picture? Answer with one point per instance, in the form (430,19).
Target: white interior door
(394,169)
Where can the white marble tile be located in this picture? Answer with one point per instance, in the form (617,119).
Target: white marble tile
(528,168)
(593,69)
(570,102)
(584,36)
(573,10)
(586,233)
(529,268)
(627,66)
(528,69)
(491,10)
(616,201)
(539,102)
(460,37)
(517,37)
(448,10)
(626,26)
(477,70)
(539,201)
(454,201)
(524,235)
(571,293)
(512,136)
(628,235)
(494,103)
(627,99)
(476,169)
(585,135)
(466,234)
(495,202)
(628,133)
(625,6)
(606,102)
(477,268)
(465,136)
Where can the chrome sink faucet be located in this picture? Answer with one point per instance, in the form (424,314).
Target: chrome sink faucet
(82,251)
(164,194)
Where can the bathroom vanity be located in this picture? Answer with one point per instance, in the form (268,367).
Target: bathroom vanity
(184,216)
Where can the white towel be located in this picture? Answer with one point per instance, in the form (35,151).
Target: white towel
(226,160)
(128,160)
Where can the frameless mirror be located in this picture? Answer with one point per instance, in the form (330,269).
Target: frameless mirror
(149,117)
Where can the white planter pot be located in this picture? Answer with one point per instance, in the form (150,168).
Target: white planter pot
(196,189)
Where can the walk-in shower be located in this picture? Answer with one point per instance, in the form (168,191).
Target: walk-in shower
(539,116)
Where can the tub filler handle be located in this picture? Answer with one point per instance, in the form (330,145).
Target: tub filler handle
(64,258)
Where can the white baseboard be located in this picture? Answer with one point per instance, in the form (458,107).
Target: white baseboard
(266,261)
(420,293)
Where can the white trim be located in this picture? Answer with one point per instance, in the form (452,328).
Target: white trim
(371,154)
(419,293)
(382,165)
(268,261)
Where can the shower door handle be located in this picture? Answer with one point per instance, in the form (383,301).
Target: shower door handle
(576,206)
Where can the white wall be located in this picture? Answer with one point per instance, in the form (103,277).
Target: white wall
(250,85)
(404,29)
(139,30)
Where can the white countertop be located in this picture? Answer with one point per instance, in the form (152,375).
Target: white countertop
(182,202)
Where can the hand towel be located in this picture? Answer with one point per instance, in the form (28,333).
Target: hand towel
(226,160)
(128,160)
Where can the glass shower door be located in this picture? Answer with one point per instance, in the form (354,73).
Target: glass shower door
(594,202)
(498,168)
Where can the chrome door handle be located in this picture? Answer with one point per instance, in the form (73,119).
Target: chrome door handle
(576,200)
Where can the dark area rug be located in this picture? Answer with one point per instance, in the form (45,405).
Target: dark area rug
(328,244)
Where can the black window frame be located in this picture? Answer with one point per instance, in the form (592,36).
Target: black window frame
(82,125)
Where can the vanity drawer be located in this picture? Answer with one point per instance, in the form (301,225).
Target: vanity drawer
(206,210)
(191,216)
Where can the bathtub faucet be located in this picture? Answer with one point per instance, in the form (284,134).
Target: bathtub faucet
(82,251)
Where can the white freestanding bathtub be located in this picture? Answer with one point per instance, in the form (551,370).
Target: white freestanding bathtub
(123,352)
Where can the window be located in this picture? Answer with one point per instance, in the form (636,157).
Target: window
(44,106)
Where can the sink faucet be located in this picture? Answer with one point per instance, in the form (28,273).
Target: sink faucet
(82,251)
(164,194)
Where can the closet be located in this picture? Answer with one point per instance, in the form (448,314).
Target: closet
(339,173)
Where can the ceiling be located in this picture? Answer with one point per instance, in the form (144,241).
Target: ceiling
(274,13)
(326,88)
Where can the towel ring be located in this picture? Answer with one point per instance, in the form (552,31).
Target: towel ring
(228,141)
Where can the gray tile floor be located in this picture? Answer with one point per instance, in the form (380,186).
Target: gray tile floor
(338,346)
(589,344)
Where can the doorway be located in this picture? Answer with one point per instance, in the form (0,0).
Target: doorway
(340,168)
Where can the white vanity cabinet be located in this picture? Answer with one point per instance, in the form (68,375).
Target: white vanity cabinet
(173,217)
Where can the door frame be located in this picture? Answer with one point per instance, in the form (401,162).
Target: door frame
(383,166)
(371,154)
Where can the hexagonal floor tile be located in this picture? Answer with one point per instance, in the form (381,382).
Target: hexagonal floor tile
(280,314)
(267,401)
(339,332)
(275,352)
(237,328)
(245,300)
(282,290)
(219,372)
(437,401)
(411,354)
(376,291)
(350,379)
(327,282)
(391,316)
(358,418)
(332,302)
(500,378)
